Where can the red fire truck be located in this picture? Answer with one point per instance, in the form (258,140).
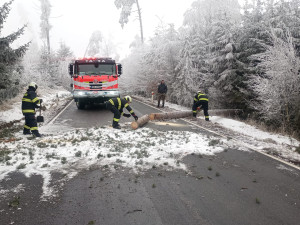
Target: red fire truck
(95,80)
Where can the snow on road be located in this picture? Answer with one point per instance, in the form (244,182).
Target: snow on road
(71,151)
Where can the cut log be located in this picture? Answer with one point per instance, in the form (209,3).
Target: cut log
(140,122)
(170,115)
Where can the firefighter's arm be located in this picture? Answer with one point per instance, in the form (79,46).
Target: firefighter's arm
(35,99)
(131,111)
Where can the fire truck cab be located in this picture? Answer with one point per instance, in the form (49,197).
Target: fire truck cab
(94,80)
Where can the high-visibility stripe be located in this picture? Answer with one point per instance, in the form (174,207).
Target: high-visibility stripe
(195,99)
(206,116)
(27,127)
(35,99)
(131,111)
(122,113)
(126,105)
(111,101)
(117,120)
(26,100)
(34,128)
(25,94)
(194,111)
(28,111)
(119,102)
(203,99)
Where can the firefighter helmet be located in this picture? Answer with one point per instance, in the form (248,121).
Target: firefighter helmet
(128,98)
(199,91)
(33,84)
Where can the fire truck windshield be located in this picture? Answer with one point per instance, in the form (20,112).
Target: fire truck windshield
(96,69)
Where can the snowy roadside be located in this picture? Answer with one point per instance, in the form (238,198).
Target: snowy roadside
(244,135)
(73,151)
(53,99)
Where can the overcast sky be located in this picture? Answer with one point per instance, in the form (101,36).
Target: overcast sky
(74,21)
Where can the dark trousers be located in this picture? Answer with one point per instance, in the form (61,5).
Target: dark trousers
(203,105)
(116,112)
(30,124)
(161,96)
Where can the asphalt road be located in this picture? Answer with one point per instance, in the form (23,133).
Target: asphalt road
(232,187)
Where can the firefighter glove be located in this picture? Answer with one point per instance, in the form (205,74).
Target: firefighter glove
(127,115)
(41,101)
(135,117)
(198,108)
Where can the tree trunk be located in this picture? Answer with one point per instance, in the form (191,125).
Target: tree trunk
(140,122)
(140,19)
(48,38)
(170,115)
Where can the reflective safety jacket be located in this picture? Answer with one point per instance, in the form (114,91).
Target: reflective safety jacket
(200,97)
(120,103)
(30,102)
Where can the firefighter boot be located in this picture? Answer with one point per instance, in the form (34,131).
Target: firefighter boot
(36,133)
(116,125)
(207,118)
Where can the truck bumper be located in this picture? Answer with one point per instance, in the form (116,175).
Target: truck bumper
(94,96)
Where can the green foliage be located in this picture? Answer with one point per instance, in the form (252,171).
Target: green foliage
(9,58)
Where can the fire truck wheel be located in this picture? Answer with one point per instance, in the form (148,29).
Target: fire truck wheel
(80,105)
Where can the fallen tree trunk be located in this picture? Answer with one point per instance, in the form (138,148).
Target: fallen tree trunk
(170,115)
(140,122)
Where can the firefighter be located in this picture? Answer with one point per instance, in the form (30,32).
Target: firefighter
(162,91)
(201,102)
(30,102)
(116,105)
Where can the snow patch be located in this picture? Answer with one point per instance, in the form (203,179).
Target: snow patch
(77,150)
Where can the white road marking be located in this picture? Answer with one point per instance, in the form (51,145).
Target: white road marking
(256,150)
(51,121)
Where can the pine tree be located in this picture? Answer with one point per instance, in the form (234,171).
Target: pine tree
(278,86)
(9,58)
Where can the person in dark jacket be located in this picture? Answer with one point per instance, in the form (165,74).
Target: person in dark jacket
(116,105)
(201,101)
(30,102)
(162,91)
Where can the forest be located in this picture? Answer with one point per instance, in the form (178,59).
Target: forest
(243,57)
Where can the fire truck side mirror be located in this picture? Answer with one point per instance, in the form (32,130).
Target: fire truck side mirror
(119,69)
(71,69)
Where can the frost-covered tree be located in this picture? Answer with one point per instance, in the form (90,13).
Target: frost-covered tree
(184,82)
(278,85)
(126,9)
(93,47)
(64,52)
(211,25)
(10,69)
(148,64)
(64,56)
(45,24)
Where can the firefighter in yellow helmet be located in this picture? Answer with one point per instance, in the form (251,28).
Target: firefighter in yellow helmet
(201,101)
(116,105)
(30,102)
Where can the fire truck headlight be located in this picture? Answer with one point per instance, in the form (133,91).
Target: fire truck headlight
(80,93)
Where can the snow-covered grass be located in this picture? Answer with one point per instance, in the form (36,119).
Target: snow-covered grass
(73,151)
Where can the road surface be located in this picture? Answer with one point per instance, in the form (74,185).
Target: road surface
(232,187)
